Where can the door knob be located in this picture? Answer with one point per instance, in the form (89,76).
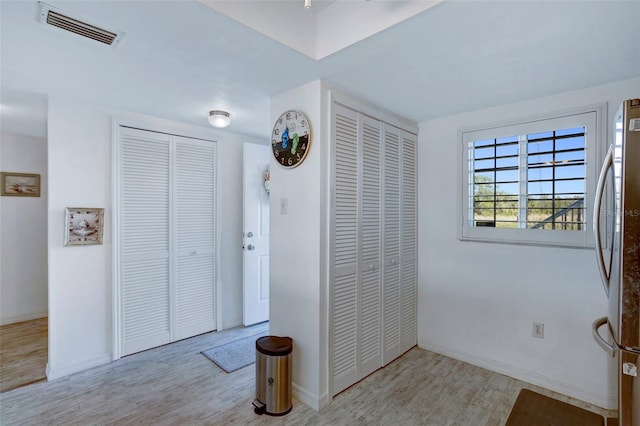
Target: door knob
(251,247)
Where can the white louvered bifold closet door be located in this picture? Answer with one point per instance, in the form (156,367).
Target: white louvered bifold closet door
(166,238)
(369,298)
(144,239)
(344,251)
(391,246)
(408,274)
(195,242)
(373,245)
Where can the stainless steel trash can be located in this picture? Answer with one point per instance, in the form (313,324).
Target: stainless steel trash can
(273,375)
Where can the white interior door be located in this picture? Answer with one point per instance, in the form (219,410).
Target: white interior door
(255,234)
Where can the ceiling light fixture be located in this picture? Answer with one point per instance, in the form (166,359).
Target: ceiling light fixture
(219,119)
(307,4)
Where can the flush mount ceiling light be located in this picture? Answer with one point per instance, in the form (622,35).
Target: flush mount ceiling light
(218,118)
(307,4)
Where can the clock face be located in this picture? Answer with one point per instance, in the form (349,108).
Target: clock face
(290,139)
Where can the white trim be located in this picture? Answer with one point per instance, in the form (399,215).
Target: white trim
(595,140)
(371,110)
(230,324)
(324,322)
(22,318)
(532,377)
(310,399)
(219,295)
(116,316)
(57,372)
(329,233)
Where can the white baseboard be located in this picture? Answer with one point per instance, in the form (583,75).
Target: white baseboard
(58,372)
(586,395)
(309,398)
(230,324)
(20,318)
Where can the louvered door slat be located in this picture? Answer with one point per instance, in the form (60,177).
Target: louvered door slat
(195,197)
(370,281)
(144,239)
(408,273)
(344,257)
(391,282)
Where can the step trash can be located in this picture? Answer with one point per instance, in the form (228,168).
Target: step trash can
(273,375)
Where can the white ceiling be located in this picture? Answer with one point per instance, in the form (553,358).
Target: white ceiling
(326,27)
(179,59)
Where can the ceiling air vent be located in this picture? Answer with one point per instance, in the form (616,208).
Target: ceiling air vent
(57,18)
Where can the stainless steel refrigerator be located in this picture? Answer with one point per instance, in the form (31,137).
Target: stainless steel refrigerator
(617,230)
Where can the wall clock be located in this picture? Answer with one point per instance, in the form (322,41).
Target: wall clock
(290,139)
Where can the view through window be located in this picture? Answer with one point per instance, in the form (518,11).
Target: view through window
(532,181)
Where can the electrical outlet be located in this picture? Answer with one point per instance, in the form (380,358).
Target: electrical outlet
(538,330)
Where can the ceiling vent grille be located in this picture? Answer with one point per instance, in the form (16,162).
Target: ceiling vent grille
(57,18)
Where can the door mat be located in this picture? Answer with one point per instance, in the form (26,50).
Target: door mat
(235,355)
(534,409)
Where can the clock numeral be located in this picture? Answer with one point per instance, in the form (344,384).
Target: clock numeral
(298,157)
(276,131)
(289,161)
(276,153)
(282,160)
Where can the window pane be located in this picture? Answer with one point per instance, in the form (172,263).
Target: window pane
(507,162)
(540,173)
(536,147)
(482,177)
(482,143)
(572,131)
(570,186)
(484,153)
(541,135)
(507,139)
(570,172)
(570,143)
(570,156)
(483,164)
(508,188)
(540,188)
(506,150)
(484,189)
(507,176)
(540,159)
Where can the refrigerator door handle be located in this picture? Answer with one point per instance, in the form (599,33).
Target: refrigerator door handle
(609,348)
(608,163)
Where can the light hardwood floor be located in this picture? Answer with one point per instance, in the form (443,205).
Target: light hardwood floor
(176,385)
(23,353)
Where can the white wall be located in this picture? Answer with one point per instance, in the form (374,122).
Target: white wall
(296,301)
(80,278)
(477,301)
(23,221)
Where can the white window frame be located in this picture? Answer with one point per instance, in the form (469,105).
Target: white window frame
(593,118)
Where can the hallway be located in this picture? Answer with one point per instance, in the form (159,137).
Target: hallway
(23,353)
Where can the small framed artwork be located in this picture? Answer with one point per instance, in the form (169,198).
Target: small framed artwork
(20,184)
(83,226)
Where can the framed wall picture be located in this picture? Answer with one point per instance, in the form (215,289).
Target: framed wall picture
(83,226)
(20,184)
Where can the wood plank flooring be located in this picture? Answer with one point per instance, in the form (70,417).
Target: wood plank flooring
(176,385)
(23,353)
